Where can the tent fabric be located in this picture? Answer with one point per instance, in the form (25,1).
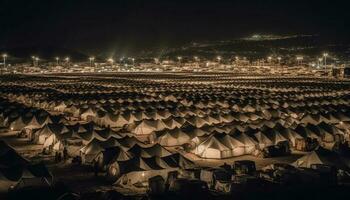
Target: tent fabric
(322,156)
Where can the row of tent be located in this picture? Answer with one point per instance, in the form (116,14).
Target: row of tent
(99,138)
(223,97)
(179,136)
(322,156)
(218,143)
(245,105)
(147,86)
(49,133)
(249,111)
(129,155)
(198,105)
(17,116)
(253,121)
(125,153)
(122,149)
(14,168)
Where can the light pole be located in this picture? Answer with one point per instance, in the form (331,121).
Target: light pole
(4,56)
(300,60)
(325,55)
(269,59)
(33,58)
(91,59)
(156,60)
(37,61)
(218,58)
(133,61)
(179,58)
(67,60)
(319,62)
(279,63)
(57,59)
(279,60)
(111,60)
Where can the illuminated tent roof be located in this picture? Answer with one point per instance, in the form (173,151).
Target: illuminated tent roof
(18,124)
(213,148)
(115,154)
(146,152)
(172,137)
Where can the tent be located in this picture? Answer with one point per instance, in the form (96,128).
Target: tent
(213,148)
(174,137)
(91,151)
(14,168)
(322,156)
(146,127)
(263,140)
(115,154)
(18,124)
(146,152)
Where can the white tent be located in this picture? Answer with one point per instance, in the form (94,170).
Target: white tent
(173,137)
(213,148)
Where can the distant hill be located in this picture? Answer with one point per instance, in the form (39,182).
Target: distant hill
(255,46)
(263,45)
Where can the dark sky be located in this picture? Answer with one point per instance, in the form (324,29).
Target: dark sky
(133,25)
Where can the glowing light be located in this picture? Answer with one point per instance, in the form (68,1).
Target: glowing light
(4,56)
(325,58)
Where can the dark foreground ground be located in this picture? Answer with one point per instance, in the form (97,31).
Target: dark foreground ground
(278,193)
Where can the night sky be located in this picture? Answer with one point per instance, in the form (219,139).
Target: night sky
(134,25)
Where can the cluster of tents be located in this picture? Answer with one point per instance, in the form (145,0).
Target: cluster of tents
(218,116)
(322,156)
(264,111)
(14,169)
(115,152)
(18,117)
(141,158)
